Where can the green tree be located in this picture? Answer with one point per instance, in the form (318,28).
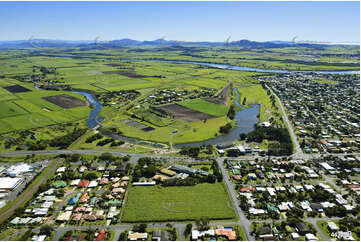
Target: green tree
(46,229)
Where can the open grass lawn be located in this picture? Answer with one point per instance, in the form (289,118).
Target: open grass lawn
(178,203)
(9,109)
(325,81)
(255,94)
(205,107)
(187,131)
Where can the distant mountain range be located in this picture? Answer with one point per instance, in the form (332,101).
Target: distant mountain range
(47,43)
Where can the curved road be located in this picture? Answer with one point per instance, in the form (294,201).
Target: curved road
(299,152)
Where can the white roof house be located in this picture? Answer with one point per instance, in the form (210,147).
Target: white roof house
(49,198)
(324,186)
(295,236)
(38,238)
(283,207)
(260,189)
(50,191)
(64,216)
(271,191)
(47,204)
(309,187)
(75,182)
(112,212)
(241,148)
(69,208)
(197,234)
(327,166)
(93,184)
(298,188)
(327,204)
(255,211)
(281,189)
(305,206)
(40,211)
(15,220)
(61,169)
(340,200)
(310,237)
(332,226)
(348,207)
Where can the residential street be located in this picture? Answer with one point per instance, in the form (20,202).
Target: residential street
(243,221)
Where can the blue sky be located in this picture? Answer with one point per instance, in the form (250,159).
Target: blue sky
(192,21)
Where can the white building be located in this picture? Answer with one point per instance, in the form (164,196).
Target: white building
(16,170)
(8,183)
(310,237)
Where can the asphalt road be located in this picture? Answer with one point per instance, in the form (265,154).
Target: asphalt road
(243,221)
(136,156)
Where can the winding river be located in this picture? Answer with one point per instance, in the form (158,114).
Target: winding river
(94,118)
(245,119)
(243,68)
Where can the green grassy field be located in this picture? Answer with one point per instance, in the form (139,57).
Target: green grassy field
(178,203)
(10,109)
(108,70)
(205,107)
(187,131)
(28,110)
(326,81)
(255,94)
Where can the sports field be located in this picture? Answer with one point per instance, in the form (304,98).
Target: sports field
(178,203)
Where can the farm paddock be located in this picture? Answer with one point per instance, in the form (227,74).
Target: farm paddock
(65,101)
(16,89)
(179,112)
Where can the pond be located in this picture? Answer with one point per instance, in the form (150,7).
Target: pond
(245,119)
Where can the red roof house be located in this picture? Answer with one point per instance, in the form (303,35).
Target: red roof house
(83,183)
(101,236)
